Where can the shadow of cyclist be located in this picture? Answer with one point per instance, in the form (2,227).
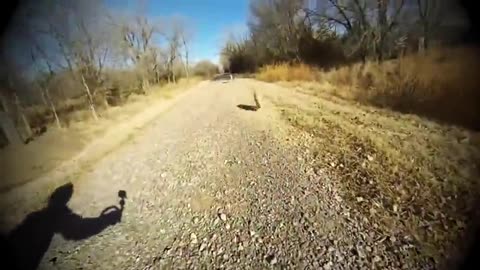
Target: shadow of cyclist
(29,241)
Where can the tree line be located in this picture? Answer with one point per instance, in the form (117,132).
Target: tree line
(327,33)
(56,50)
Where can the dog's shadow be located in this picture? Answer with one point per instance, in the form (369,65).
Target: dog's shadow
(248,107)
(26,245)
(253,108)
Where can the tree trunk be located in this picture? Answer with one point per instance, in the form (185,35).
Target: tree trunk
(26,124)
(7,124)
(4,104)
(90,99)
(186,57)
(187,74)
(186,70)
(105,101)
(426,37)
(382,6)
(24,119)
(145,85)
(421,45)
(44,99)
(157,77)
(46,95)
(8,128)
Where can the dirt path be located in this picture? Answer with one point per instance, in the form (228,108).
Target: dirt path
(211,185)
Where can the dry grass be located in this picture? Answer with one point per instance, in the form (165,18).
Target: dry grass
(286,72)
(26,162)
(414,179)
(442,84)
(74,110)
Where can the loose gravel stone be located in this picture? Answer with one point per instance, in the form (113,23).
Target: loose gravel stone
(284,205)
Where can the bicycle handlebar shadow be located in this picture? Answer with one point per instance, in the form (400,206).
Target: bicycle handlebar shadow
(28,242)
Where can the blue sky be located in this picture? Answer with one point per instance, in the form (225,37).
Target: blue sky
(210,20)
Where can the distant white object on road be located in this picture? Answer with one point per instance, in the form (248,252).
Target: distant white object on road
(224,77)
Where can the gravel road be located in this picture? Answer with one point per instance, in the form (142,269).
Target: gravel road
(210,185)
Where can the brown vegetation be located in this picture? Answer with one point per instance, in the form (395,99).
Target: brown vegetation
(66,66)
(331,33)
(442,84)
(22,163)
(286,72)
(412,178)
(205,69)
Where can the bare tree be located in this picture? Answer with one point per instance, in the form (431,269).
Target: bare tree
(137,35)
(75,46)
(276,27)
(151,60)
(366,36)
(351,17)
(174,36)
(71,37)
(430,15)
(9,114)
(185,47)
(385,23)
(45,81)
(179,29)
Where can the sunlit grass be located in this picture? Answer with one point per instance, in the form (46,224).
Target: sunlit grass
(441,85)
(410,176)
(286,72)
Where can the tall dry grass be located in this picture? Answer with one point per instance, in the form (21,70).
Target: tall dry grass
(286,72)
(27,162)
(73,110)
(442,84)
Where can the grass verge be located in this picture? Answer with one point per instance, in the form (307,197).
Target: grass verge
(24,163)
(442,84)
(411,177)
